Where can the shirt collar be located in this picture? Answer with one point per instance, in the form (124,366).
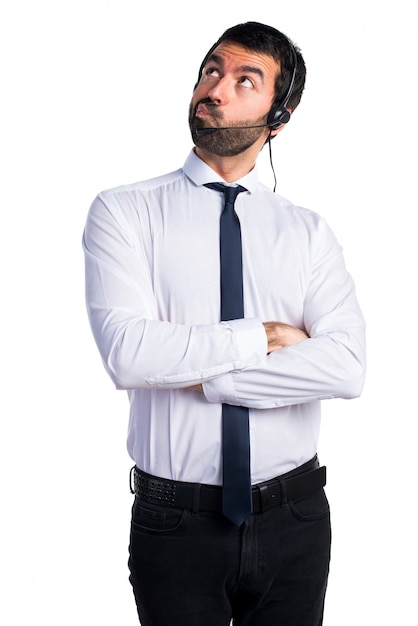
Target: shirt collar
(200,173)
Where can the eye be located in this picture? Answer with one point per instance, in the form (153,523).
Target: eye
(246,82)
(211,71)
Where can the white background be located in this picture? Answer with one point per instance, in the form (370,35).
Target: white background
(95,93)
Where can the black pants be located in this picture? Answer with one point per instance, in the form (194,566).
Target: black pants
(200,570)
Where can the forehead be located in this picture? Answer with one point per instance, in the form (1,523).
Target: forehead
(234,57)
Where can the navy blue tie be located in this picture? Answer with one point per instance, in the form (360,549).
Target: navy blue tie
(236,491)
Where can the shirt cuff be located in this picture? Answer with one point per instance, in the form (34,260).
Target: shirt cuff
(220,390)
(250,338)
(251,341)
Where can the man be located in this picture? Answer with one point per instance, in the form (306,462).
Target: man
(157,288)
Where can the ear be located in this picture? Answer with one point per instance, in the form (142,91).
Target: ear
(277,130)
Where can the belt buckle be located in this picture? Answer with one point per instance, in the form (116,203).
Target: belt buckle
(270,496)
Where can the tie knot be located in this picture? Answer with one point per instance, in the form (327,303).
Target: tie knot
(230,193)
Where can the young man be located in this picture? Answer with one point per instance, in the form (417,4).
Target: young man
(220,394)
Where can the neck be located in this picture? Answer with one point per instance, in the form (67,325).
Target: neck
(230,168)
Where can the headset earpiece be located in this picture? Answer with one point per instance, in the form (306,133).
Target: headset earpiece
(279,114)
(277,117)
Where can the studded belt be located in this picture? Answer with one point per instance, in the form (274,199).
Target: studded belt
(292,486)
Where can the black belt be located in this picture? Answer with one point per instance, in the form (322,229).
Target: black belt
(196,497)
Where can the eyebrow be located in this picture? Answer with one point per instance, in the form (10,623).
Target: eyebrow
(247,69)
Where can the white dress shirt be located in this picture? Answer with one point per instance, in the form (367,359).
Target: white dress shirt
(153,299)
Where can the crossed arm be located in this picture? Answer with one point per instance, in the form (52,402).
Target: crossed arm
(279,335)
(242,361)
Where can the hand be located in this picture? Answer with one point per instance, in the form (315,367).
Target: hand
(197,387)
(281,335)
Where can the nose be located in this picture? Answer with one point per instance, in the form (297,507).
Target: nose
(220,92)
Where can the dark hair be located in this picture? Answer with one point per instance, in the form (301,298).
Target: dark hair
(268,40)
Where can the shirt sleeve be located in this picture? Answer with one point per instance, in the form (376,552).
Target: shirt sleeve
(330,364)
(137,349)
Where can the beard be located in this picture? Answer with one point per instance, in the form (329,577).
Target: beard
(228,142)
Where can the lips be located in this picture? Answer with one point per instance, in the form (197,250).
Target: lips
(201,111)
(205,115)
(207,109)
